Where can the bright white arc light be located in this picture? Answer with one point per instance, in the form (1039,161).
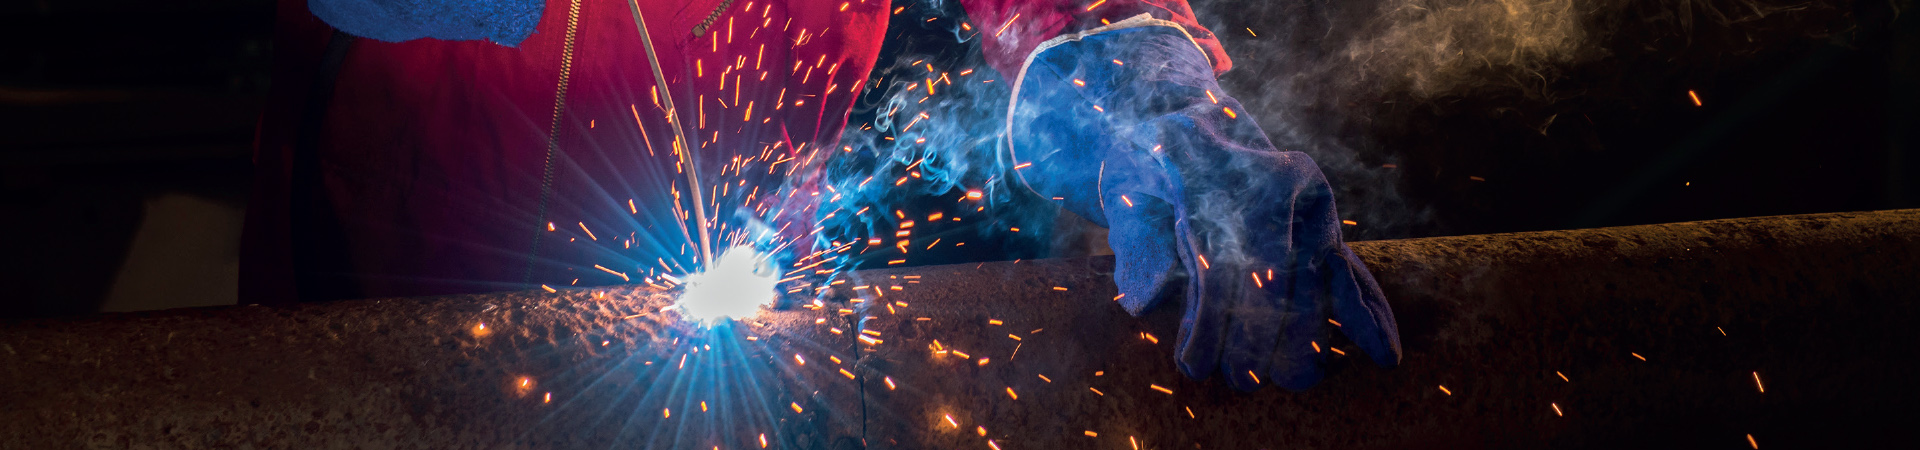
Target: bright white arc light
(736,285)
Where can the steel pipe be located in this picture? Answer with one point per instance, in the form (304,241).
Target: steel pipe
(1791,330)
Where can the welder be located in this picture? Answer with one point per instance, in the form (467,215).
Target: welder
(426,147)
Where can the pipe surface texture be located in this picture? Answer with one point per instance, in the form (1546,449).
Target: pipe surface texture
(1791,331)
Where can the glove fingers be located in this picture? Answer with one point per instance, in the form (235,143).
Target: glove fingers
(1362,309)
(1145,251)
(1204,323)
(1260,315)
(1254,324)
(1297,362)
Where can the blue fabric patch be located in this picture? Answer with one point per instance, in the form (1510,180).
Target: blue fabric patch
(506,22)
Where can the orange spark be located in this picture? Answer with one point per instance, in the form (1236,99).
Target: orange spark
(1003,27)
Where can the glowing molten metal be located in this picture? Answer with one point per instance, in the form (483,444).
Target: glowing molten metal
(736,285)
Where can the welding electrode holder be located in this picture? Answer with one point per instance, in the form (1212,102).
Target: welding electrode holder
(1127,126)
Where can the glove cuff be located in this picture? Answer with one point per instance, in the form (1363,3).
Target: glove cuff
(1019,79)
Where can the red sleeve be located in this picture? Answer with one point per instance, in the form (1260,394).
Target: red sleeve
(834,50)
(1010,29)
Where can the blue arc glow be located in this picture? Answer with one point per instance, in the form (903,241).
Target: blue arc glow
(737,284)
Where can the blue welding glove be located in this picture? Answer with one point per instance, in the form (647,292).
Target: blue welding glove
(1127,126)
(506,22)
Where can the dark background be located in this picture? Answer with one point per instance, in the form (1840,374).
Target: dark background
(125,127)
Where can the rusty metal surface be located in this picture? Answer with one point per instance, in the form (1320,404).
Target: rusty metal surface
(453,372)
(1821,306)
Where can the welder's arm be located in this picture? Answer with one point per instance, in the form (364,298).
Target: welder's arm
(1129,128)
(506,22)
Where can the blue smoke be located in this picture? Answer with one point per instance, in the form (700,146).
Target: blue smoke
(922,166)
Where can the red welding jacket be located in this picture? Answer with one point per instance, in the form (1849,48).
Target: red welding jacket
(438,167)
(1010,29)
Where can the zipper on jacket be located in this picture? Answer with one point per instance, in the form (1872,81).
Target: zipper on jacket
(701,29)
(553,134)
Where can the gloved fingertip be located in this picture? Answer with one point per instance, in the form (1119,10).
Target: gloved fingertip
(1196,363)
(1359,303)
(1243,381)
(1386,359)
(1136,303)
(1190,372)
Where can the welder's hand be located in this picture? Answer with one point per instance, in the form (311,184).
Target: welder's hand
(1130,129)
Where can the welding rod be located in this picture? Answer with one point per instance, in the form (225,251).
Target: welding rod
(680,142)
